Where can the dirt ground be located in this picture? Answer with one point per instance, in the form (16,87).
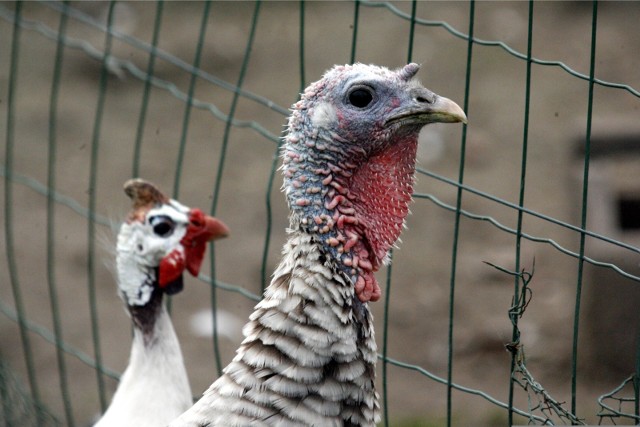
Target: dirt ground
(422,267)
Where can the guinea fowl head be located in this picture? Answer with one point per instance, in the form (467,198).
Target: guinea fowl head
(349,161)
(158,241)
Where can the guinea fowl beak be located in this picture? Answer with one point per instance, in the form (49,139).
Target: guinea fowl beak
(214,228)
(427,107)
(202,228)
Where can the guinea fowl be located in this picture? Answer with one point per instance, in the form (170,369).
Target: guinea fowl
(158,240)
(309,353)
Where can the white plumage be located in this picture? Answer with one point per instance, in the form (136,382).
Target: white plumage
(154,388)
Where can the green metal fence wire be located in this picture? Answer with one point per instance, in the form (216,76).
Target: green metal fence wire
(189,103)
(51,215)
(51,338)
(149,80)
(524,235)
(147,90)
(583,214)
(515,336)
(636,381)
(93,180)
(221,164)
(503,46)
(458,215)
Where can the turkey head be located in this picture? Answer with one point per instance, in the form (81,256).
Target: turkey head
(349,159)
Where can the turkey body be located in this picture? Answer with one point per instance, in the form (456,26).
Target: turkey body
(308,357)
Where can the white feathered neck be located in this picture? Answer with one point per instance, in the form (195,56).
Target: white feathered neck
(154,388)
(308,357)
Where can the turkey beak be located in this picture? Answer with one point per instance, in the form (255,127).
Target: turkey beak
(427,107)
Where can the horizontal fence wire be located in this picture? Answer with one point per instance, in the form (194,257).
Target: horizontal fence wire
(108,61)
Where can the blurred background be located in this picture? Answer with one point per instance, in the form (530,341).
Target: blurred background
(76,124)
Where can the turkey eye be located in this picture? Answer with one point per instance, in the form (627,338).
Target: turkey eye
(162,225)
(360,97)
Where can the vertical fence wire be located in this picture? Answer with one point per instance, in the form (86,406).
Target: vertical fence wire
(514,314)
(301,47)
(147,89)
(354,37)
(51,203)
(385,337)
(412,30)
(223,152)
(189,103)
(636,378)
(385,320)
(583,220)
(8,208)
(456,227)
(93,182)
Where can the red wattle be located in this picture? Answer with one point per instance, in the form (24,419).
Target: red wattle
(170,268)
(370,205)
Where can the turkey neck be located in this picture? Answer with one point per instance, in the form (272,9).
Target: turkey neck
(311,301)
(355,203)
(309,353)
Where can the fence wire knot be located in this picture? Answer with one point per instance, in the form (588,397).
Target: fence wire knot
(538,397)
(519,304)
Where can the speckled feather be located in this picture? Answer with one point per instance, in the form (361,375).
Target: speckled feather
(308,356)
(309,352)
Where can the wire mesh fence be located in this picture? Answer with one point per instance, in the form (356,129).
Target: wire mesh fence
(193,96)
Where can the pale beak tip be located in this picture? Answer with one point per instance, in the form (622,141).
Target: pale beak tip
(451,111)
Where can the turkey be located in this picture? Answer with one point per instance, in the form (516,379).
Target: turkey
(309,353)
(159,239)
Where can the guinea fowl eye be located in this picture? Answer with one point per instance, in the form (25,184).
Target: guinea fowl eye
(162,225)
(360,97)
